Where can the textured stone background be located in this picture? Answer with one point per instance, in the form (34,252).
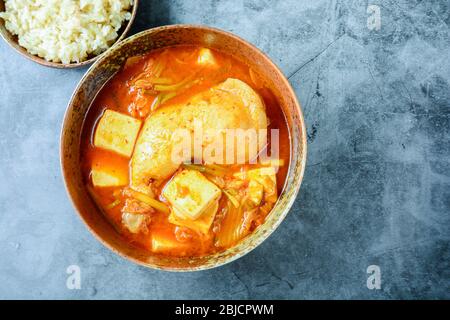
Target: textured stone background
(377,183)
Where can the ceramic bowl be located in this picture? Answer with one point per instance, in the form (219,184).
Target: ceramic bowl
(106,66)
(13,42)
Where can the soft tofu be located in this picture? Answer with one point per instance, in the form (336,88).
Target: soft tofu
(117,132)
(164,243)
(206,58)
(190,193)
(107,178)
(201,225)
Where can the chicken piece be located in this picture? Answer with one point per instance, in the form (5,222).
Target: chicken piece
(117,132)
(190,193)
(136,215)
(135,222)
(136,206)
(230,105)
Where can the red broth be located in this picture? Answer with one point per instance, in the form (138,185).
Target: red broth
(120,95)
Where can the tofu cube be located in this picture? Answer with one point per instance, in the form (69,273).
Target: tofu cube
(117,132)
(164,243)
(206,58)
(190,193)
(106,178)
(255,191)
(201,225)
(266,176)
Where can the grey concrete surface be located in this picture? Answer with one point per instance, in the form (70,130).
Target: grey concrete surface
(377,183)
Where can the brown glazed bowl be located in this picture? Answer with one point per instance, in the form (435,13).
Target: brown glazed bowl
(105,67)
(14,43)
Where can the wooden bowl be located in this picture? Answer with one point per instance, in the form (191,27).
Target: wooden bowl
(12,40)
(106,66)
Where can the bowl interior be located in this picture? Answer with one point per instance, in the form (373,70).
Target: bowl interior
(107,66)
(12,40)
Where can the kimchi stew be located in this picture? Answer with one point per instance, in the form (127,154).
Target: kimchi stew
(185,150)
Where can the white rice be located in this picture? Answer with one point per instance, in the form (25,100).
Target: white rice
(66,30)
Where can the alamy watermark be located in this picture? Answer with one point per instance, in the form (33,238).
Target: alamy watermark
(73,281)
(374,279)
(374,18)
(223,146)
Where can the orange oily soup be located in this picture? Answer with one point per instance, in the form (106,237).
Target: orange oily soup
(191,206)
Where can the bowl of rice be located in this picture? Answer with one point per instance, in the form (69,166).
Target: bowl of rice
(65,33)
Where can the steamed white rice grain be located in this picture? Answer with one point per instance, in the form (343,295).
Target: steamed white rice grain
(66,30)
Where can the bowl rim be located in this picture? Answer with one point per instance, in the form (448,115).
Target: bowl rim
(291,199)
(6,34)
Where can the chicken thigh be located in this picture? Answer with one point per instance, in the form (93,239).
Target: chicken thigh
(230,105)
